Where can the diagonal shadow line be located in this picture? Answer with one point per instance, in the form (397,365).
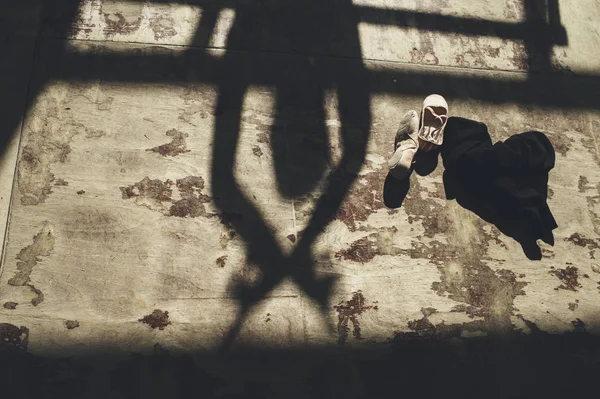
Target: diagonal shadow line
(546,31)
(9,124)
(452,24)
(415,19)
(555,90)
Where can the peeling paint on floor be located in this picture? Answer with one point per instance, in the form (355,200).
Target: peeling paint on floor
(28,258)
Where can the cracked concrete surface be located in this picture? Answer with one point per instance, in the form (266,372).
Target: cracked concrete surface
(163,159)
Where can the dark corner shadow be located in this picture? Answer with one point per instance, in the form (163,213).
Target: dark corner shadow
(17,88)
(538,365)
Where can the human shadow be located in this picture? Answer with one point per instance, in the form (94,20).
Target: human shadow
(298,135)
(505,184)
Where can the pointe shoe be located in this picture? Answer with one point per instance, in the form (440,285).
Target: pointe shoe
(405,145)
(434,117)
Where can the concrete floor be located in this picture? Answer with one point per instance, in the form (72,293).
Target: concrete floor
(193,198)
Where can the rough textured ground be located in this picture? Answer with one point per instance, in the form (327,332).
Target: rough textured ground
(193,198)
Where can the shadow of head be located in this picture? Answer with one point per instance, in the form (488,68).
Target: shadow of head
(299,38)
(299,137)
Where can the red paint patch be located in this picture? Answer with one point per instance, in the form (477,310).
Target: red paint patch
(71,324)
(349,312)
(569,278)
(221,261)
(157,319)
